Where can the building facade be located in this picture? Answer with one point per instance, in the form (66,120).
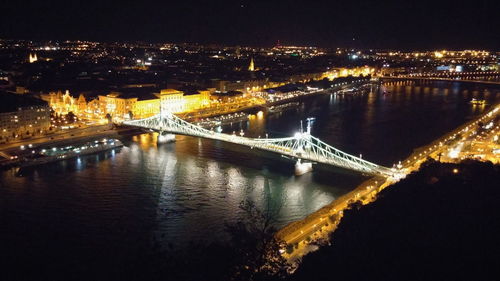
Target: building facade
(22,117)
(146,106)
(116,106)
(64,103)
(124,106)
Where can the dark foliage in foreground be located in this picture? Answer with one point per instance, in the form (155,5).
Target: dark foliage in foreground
(434,225)
(252,253)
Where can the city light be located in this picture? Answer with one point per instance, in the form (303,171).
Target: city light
(189,132)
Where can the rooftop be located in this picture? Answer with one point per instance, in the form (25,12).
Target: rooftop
(12,102)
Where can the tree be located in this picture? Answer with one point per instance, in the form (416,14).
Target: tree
(109,118)
(71,117)
(257,250)
(252,252)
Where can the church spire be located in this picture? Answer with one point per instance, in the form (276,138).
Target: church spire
(251,67)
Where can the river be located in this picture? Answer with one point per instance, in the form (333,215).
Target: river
(187,190)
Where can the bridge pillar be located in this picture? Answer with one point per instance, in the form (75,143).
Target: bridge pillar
(164,137)
(302,167)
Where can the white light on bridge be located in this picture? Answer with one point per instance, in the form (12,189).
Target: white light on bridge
(454,153)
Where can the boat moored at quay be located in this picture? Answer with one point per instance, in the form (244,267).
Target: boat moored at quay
(48,155)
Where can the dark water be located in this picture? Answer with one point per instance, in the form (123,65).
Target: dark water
(186,190)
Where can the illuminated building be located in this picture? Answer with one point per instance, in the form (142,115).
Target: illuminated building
(171,101)
(22,117)
(64,103)
(146,106)
(116,106)
(92,108)
(81,103)
(32,58)
(175,101)
(196,101)
(121,106)
(344,72)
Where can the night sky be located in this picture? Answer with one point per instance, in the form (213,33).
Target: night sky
(402,24)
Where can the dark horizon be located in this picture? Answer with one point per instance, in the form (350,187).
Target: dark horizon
(361,24)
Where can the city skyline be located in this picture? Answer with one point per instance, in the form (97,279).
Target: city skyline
(249,140)
(361,24)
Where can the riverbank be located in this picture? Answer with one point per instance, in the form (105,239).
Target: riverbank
(277,101)
(234,115)
(303,236)
(423,217)
(14,149)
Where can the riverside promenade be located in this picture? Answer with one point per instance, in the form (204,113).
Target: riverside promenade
(304,235)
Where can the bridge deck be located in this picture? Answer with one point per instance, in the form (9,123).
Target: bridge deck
(301,146)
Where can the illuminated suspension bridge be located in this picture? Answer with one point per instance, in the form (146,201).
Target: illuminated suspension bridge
(302,146)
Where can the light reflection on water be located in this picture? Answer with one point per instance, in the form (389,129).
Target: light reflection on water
(187,190)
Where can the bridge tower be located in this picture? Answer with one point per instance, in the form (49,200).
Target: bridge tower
(163,135)
(303,167)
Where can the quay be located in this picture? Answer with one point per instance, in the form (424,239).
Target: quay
(302,236)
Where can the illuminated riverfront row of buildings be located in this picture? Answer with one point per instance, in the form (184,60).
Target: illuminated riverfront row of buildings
(257,85)
(124,106)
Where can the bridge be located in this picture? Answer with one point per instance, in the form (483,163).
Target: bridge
(304,147)
(466,77)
